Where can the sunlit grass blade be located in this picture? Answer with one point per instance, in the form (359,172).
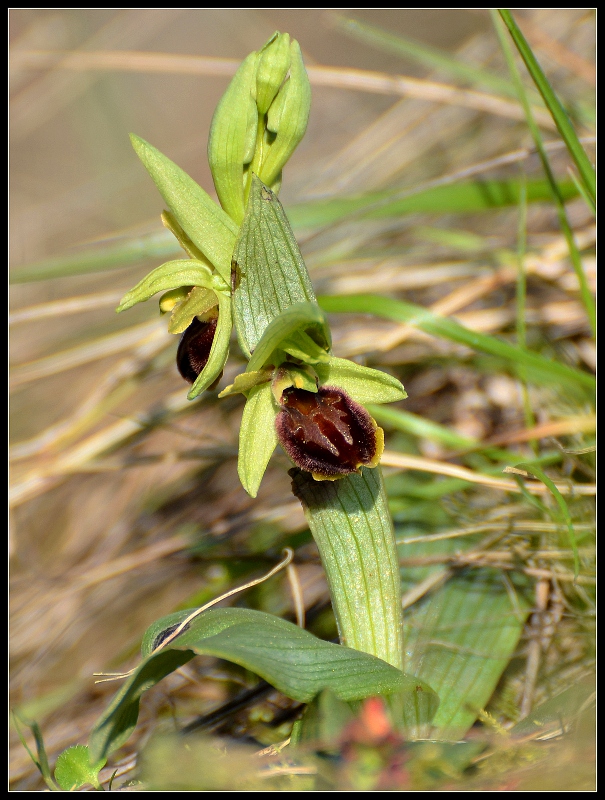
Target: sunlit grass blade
(111,254)
(553,104)
(563,507)
(424,54)
(559,201)
(456,198)
(542,369)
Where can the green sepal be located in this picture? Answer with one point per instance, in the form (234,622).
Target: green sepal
(210,229)
(364,384)
(300,317)
(246,380)
(170,222)
(172,275)
(269,274)
(257,437)
(289,118)
(232,139)
(219,351)
(199,301)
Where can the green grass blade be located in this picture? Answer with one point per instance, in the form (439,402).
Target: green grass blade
(558,113)
(541,369)
(542,476)
(454,198)
(112,254)
(424,54)
(574,253)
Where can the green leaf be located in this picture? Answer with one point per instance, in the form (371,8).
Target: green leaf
(232,138)
(306,317)
(364,384)
(219,352)
(450,198)
(74,770)
(558,113)
(542,369)
(461,636)
(172,275)
(257,437)
(288,657)
(269,274)
(351,524)
(210,229)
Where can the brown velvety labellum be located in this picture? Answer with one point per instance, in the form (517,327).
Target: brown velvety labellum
(194,348)
(326,432)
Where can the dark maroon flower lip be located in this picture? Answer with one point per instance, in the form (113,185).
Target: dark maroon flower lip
(327,433)
(194,348)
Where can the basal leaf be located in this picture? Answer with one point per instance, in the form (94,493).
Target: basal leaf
(293,660)
(74,770)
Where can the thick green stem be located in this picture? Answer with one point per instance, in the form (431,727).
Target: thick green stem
(351,524)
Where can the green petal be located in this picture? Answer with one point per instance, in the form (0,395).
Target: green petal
(363,384)
(172,275)
(199,301)
(257,437)
(219,350)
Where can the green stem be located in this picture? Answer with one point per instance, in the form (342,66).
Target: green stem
(353,530)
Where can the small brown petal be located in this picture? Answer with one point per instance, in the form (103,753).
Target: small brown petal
(194,348)
(327,433)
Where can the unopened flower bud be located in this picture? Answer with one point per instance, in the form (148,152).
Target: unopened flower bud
(272,67)
(194,348)
(327,433)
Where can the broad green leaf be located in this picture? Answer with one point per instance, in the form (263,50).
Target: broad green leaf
(451,198)
(306,317)
(172,275)
(219,352)
(269,274)
(233,136)
(257,437)
(558,113)
(74,770)
(460,637)
(210,229)
(364,384)
(558,712)
(199,301)
(542,369)
(288,657)
(351,524)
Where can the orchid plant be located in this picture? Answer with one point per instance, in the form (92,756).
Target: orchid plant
(244,269)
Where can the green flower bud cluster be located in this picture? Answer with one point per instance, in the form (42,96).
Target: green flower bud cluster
(245,269)
(259,122)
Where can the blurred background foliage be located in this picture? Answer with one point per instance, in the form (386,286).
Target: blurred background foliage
(417,180)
